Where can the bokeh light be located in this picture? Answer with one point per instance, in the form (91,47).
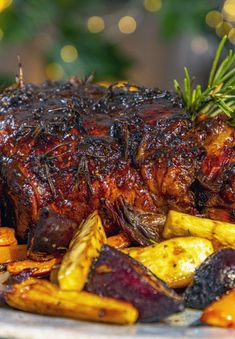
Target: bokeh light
(214,18)
(95,24)
(223,28)
(127,25)
(199,45)
(4,4)
(68,53)
(229,10)
(152,5)
(54,71)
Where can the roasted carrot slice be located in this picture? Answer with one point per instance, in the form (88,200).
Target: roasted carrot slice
(7,236)
(221,312)
(37,267)
(119,241)
(12,253)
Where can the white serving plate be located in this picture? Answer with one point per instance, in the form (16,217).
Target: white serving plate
(20,325)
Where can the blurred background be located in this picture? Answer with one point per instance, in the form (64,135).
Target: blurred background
(147,42)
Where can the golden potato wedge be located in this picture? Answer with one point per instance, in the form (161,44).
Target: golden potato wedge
(175,260)
(7,236)
(221,312)
(41,296)
(180,225)
(84,247)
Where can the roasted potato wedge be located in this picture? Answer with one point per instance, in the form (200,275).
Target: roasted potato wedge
(175,260)
(181,225)
(84,247)
(41,296)
(37,268)
(221,312)
(7,236)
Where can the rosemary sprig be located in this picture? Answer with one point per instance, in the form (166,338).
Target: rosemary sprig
(219,95)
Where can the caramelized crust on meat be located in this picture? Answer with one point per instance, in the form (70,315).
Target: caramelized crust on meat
(74,147)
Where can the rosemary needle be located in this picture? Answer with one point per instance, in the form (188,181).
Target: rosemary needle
(219,95)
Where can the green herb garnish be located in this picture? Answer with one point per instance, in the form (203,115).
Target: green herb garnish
(219,96)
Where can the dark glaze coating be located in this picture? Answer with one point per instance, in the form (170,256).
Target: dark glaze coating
(73,147)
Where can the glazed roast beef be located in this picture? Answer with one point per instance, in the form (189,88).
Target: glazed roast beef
(73,147)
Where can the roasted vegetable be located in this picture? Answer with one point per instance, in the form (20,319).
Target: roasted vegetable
(12,253)
(53,232)
(115,274)
(41,296)
(212,279)
(141,228)
(7,236)
(37,268)
(119,241)
(221,312)
(175,260)
(84,247)
(179,225)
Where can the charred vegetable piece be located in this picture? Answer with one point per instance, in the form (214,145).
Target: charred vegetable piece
(141,228)
(7,236)
(53,232)
(221,312)
(119,241)
(12,253)
(175,260)
(180,225)
(214,277)
(38,268)
(41,296)
(84,247)
(115,274)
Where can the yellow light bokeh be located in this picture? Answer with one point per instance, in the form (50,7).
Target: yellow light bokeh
(223,29)
(199,45)
(127,25)
(229,10)
(68,53)
(1,34)
(54,71)
(95,24)
(231,36)
(4,4)
(152,5)
(214,18)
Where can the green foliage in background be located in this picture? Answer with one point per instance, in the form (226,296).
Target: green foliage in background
(64,22)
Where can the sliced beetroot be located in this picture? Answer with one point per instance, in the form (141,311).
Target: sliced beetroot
(214,277)
(117,275)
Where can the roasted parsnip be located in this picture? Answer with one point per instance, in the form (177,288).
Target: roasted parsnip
(175,260)
(41,296)
(84,247)
(181,225)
